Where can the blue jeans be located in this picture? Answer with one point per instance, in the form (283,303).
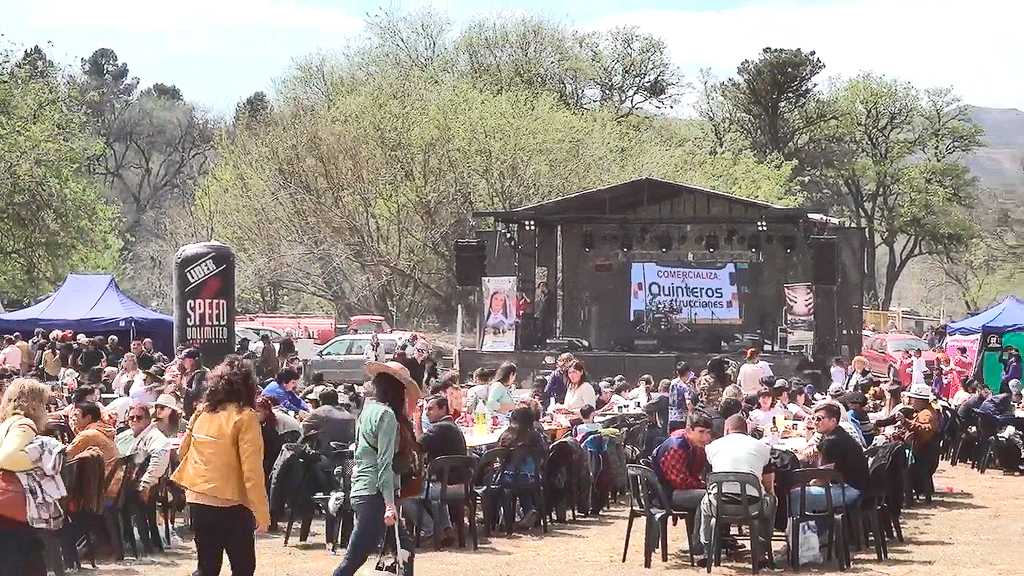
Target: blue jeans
(411,510)
(815,498)
(368,535)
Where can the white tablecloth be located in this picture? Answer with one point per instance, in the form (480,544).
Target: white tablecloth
(474,440)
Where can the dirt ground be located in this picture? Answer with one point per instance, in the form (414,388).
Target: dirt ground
(972,527)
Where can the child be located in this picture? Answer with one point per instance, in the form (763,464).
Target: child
(767,409)
(588,425)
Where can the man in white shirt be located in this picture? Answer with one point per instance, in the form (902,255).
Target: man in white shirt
(764,365)
(750,374)
(736,452)
(10,355)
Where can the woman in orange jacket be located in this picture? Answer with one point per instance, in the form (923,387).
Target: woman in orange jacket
(222,471)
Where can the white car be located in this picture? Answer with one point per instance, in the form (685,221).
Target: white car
(343,358)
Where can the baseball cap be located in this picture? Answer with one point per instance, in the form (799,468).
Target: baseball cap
(836,390)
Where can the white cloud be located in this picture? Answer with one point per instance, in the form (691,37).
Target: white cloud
(977,48)
(128,15)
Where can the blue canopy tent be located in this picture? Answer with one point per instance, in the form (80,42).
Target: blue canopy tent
(94,305)
(1007,316)
(1005,319)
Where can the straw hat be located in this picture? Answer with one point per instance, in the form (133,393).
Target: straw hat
(156,371)
(920,391)
(398,371)
(168,401)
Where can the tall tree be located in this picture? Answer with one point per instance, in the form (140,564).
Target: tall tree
(36,64)
(774,105)
(254,110)
(633,70)
(105,82)
(161,90)
(899,172)
(53,219)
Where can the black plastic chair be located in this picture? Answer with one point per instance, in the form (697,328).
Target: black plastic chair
(988,428)
(745,508)
(515,459)
(562,460)
(647,500)
(452,474)
(833,514)
(343,522)
(485,484)
(866,515)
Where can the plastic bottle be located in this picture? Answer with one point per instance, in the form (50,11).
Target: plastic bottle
(551,406)
(480,417)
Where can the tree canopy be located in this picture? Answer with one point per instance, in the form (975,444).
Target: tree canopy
(342,188)
(53,219)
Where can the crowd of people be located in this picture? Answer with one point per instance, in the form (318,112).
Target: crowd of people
(223,436)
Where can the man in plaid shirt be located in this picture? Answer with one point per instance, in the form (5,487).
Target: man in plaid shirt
(680,462)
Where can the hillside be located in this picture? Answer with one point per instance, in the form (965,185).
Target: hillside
(998,164)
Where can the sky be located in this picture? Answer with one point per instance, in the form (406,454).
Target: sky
(219,51)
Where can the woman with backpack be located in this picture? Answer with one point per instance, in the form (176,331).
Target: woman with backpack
(522,433)
(385,447)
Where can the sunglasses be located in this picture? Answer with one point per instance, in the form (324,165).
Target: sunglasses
(136,418)
(816,418)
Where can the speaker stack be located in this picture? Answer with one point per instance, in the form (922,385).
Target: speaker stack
(470,262)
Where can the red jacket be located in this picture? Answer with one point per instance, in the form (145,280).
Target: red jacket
(678,465)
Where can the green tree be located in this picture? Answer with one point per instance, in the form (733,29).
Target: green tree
(773,105)
(357,203)
(53,219)
(161,90)
(898,171)
(254,110)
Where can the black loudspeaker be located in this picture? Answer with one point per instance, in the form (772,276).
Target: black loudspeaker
(824,260)
(470,261)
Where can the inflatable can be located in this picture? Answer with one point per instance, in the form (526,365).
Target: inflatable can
(204,300)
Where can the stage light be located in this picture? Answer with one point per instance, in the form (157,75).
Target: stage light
(754,244)
(711,242)
(627,243)
(683,238)
(762,225)
(730,237)
(769,239)
(588,240)
(789,244)
(665,242)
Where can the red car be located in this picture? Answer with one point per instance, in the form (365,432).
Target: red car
(885,351)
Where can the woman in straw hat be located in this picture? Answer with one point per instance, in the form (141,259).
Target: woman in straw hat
(384,430)
(167,415)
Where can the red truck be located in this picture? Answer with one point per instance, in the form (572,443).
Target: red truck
(320,328)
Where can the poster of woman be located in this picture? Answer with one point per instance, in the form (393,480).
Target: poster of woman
(499,310)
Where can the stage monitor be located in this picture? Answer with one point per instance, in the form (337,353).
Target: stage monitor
(672,298)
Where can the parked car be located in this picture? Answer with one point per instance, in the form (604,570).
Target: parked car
(342,359)
(884,352)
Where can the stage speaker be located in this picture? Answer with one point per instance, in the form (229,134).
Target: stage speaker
(824,260)
(470,261)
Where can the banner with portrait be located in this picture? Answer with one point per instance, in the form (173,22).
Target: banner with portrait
(799,314)
(499,314)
